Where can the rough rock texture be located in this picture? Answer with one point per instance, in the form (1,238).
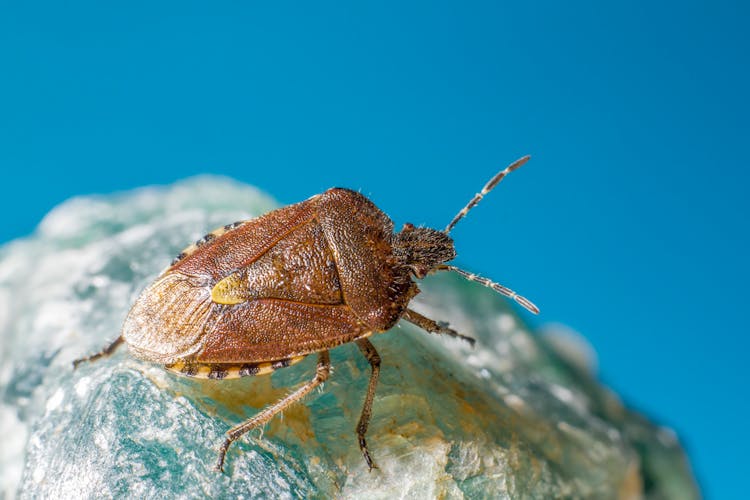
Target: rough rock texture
(516,417)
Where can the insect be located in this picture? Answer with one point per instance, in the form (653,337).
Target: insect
(259,295)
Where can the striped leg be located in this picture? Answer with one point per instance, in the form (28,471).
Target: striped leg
(433,326)
(104,352)
(321,375)
(369,352)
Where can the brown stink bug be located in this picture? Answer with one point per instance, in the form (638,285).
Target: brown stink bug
(261,294)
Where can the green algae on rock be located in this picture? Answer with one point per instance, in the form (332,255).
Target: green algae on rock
(512,418)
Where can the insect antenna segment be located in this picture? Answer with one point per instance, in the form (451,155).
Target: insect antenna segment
(486,189)
(502,290)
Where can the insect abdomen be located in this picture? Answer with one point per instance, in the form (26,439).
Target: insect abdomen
(220,371)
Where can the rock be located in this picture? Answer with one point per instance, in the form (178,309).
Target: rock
(515,417)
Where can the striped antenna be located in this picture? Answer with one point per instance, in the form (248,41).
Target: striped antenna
(486,189)
(507,292)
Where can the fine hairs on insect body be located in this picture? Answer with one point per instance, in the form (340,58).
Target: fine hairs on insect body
(259,295)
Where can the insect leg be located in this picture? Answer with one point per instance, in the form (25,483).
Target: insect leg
(321,374)
(369,352)
(104,352)
(433,326)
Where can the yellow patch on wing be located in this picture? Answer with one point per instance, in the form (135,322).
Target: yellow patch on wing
(229,290)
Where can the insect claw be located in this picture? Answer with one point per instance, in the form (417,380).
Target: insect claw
(368,459)
(109,349)
(219,467)
(445,327)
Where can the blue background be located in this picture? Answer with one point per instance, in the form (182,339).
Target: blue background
(629,224)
